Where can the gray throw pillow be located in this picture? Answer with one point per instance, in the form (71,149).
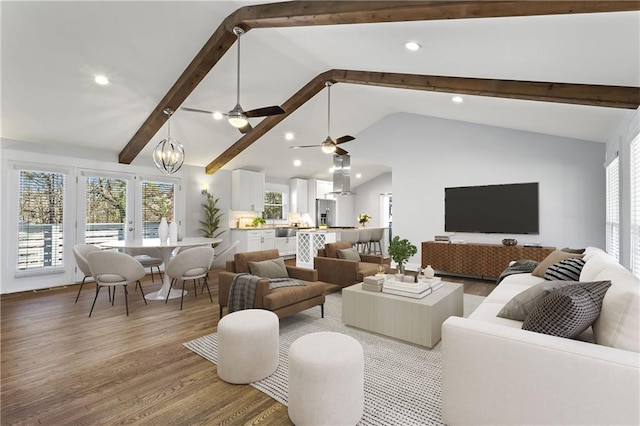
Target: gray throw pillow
(272,268)
(349,254)
(568,311)
(523,303)
(565,270)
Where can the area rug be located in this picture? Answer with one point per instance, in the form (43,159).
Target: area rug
(402,382)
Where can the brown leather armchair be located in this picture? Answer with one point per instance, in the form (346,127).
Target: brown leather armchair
(342,272)
(283,301)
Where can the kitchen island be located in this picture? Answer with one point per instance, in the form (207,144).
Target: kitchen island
(310,240)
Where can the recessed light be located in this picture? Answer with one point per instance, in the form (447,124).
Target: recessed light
(457,99)
(289,136)
(297,163)
(217,115)
(358,175)
(101,80)
(412,45)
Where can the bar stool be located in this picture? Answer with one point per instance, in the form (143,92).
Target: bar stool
(364,236)
(350,235)
(376,238)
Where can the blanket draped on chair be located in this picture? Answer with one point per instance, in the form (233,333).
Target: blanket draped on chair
(523,266)
(243,289)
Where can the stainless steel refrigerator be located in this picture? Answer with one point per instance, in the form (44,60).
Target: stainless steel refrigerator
(325,212)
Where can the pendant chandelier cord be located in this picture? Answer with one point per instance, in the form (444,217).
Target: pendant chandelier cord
(169,112)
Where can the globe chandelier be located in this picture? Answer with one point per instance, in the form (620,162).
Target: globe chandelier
(169,154)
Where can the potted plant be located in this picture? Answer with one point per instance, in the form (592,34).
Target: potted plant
(400,251)
(211,222)
(363,218)
(258,222)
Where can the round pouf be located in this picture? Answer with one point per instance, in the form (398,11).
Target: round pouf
(248,346)
(326,380)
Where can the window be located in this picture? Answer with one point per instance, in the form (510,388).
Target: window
(158,201)
(106,211)
(635,206)
(613,209)
(273,205)
(40,220)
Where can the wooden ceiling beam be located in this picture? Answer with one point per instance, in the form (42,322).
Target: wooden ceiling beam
(307,13)
(578,94)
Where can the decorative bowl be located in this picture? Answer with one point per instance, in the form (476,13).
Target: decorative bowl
(510,242)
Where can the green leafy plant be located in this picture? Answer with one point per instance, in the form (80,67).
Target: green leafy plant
(257,221)
(213,215)
(400,251)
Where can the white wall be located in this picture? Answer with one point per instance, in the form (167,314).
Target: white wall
(428,154)
(618,145)
(367,199)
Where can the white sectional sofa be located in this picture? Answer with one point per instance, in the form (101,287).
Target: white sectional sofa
(496,373)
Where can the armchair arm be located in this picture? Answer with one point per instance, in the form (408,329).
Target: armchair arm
(304,274)
(336,271)
(371,258)
(494,374)
(224,286)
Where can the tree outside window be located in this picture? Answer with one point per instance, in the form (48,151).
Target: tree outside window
(273,208)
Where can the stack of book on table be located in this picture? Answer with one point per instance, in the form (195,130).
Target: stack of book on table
(435,282)
(415,290)
(373,283)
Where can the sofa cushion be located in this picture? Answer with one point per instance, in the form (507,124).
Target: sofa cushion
(349,254)
(553,257)
(568,311)
(565,270)
(618,325)
(285,296)
(242,259)
(331,249)
(523,303)
(596,263)
(272,268)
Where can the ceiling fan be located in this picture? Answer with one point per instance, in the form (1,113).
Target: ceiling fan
(238,117)
(329,145)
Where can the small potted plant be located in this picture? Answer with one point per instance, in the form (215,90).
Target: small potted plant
(258,222)
(363,218)
(400,251)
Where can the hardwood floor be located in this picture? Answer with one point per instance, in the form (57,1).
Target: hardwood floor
(60,367)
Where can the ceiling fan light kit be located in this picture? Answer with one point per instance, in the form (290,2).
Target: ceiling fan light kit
(168,155)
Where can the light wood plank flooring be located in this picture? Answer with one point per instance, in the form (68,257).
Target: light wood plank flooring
(60,367)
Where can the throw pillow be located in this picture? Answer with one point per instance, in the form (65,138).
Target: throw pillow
(349,254)
(521,305)
(568,311)
(565,270)
(554,257)
(273,268)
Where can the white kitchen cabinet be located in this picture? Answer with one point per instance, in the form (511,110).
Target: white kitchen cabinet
(254,239)
(286,246)
(247,190)
(299,196)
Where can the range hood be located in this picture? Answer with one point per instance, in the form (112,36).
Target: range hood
(342,175)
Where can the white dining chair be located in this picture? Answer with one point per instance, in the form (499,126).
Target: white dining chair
(148,257)
(113,269)
(80,252)
(192,264)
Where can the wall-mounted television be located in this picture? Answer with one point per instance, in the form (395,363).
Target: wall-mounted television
(501,209)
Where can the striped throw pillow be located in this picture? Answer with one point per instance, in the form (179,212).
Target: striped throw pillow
(565,270)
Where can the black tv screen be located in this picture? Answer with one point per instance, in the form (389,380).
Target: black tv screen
(502,209)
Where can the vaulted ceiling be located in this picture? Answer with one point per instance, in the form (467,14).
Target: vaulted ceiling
(52,50)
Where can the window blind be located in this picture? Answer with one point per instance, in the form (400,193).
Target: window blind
(40,220)
(158,201)
(635,206)
(613,209)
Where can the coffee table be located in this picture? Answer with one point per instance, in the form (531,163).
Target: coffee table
(416,321)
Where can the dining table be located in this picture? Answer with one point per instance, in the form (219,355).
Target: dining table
(166,249)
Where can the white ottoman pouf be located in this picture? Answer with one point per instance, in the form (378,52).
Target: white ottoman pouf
(248,345)
(326,380)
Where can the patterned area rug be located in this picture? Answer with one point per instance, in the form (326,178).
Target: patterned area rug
(402,382)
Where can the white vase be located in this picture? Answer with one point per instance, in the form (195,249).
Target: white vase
(163,230)
(173,232)
(428,272)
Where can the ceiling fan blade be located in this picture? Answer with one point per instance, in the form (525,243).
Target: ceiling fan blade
(340,151)
(246,128)
(264,112)
(344,139)
(304,146)
(196,110)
